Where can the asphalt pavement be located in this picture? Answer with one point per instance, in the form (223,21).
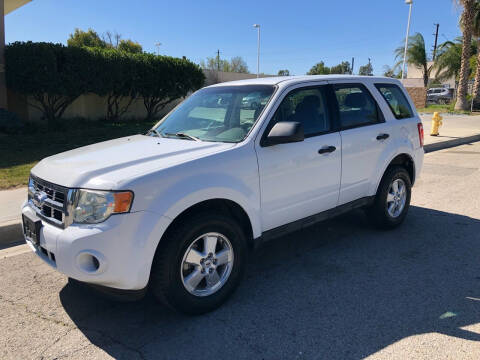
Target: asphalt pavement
(338,290)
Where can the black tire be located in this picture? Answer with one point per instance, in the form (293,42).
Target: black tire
(165,278)
(378,213)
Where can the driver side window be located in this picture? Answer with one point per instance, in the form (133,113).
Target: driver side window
(307,106)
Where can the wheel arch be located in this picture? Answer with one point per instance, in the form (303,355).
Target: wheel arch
(222,205)
(403,159)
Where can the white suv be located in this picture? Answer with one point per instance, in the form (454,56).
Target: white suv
(179,208)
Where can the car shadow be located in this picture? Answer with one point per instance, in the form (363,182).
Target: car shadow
(336,290)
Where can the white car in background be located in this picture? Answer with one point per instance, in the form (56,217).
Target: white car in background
(179,208)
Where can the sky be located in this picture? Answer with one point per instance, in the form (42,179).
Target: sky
(294,34)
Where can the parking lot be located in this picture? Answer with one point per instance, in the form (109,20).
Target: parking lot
(334,291)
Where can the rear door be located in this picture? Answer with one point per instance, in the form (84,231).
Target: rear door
(364,134)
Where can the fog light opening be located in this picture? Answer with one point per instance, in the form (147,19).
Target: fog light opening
(88,262)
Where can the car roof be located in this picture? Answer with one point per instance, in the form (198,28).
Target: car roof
(290,80)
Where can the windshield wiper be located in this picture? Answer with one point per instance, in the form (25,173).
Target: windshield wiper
(182,135)
(153,131)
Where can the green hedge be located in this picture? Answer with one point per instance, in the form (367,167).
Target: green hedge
(54,75)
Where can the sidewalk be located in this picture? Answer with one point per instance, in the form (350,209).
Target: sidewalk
(10,218)
(456,130)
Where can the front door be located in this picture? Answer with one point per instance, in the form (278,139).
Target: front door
(300,179)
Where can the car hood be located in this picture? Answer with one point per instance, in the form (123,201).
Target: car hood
(110,164)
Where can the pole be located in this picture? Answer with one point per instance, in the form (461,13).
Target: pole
(258,51)
(406,40)
(436,39)
(3,85)
(218,60)
(353,63)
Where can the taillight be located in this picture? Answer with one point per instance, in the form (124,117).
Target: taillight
(420,133)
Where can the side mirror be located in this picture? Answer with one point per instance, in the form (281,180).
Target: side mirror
(284,132)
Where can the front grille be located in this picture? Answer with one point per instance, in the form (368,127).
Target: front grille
(50,201)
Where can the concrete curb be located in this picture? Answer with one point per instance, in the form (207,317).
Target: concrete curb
(450,143)
(11,233)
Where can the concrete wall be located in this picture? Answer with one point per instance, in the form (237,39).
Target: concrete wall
(94,107)
(415,77)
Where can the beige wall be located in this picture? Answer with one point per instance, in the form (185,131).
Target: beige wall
(415,77)
(94,107)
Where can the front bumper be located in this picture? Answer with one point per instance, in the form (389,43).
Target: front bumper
(117,253)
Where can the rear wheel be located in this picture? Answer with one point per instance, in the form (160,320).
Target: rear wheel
(200,263)
(392,199)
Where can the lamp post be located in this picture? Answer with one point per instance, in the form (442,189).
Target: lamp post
(408,2)
(258,48)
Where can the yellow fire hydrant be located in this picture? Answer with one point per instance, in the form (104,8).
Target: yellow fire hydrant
(436,123)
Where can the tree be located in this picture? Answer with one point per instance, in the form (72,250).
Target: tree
(319,69)
(236,64)
(130,46)
(284,72)
(366,70)
(391,72)
(342,68)
(89,38)
(467,30)
(476,34)
(416,55)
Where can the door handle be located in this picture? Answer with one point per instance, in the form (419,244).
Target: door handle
(383,136)
(327,149)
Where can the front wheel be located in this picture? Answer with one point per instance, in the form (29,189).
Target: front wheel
(200,263)
(392,199)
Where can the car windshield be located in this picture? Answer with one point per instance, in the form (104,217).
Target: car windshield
(221,113)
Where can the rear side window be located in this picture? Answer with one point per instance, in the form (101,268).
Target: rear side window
(396,99)
(356,106)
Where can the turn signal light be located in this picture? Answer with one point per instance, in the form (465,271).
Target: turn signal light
(123,201)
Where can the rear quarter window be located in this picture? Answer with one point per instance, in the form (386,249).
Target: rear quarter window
(396,100)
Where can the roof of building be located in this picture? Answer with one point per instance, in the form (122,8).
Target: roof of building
(10,5)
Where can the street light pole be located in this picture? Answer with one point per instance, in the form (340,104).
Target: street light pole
(258,48)
(158,44)
(408,2)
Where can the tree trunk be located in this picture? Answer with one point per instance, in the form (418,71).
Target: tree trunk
(476,85)
(467,24)
(425,76)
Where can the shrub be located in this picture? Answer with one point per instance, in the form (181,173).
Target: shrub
(51,74)
(163,79)
(54,75)
(116,74)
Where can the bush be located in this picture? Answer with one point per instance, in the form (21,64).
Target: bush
(51,74)
(163,79)
(10,123)
(54,75)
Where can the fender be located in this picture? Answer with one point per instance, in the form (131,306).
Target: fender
(384,166)
(192,190)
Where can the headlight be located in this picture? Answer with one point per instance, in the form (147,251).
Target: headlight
(93,206)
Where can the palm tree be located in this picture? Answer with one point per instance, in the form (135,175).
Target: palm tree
(476,34)
(416,55)
(449,59)
(467,28)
